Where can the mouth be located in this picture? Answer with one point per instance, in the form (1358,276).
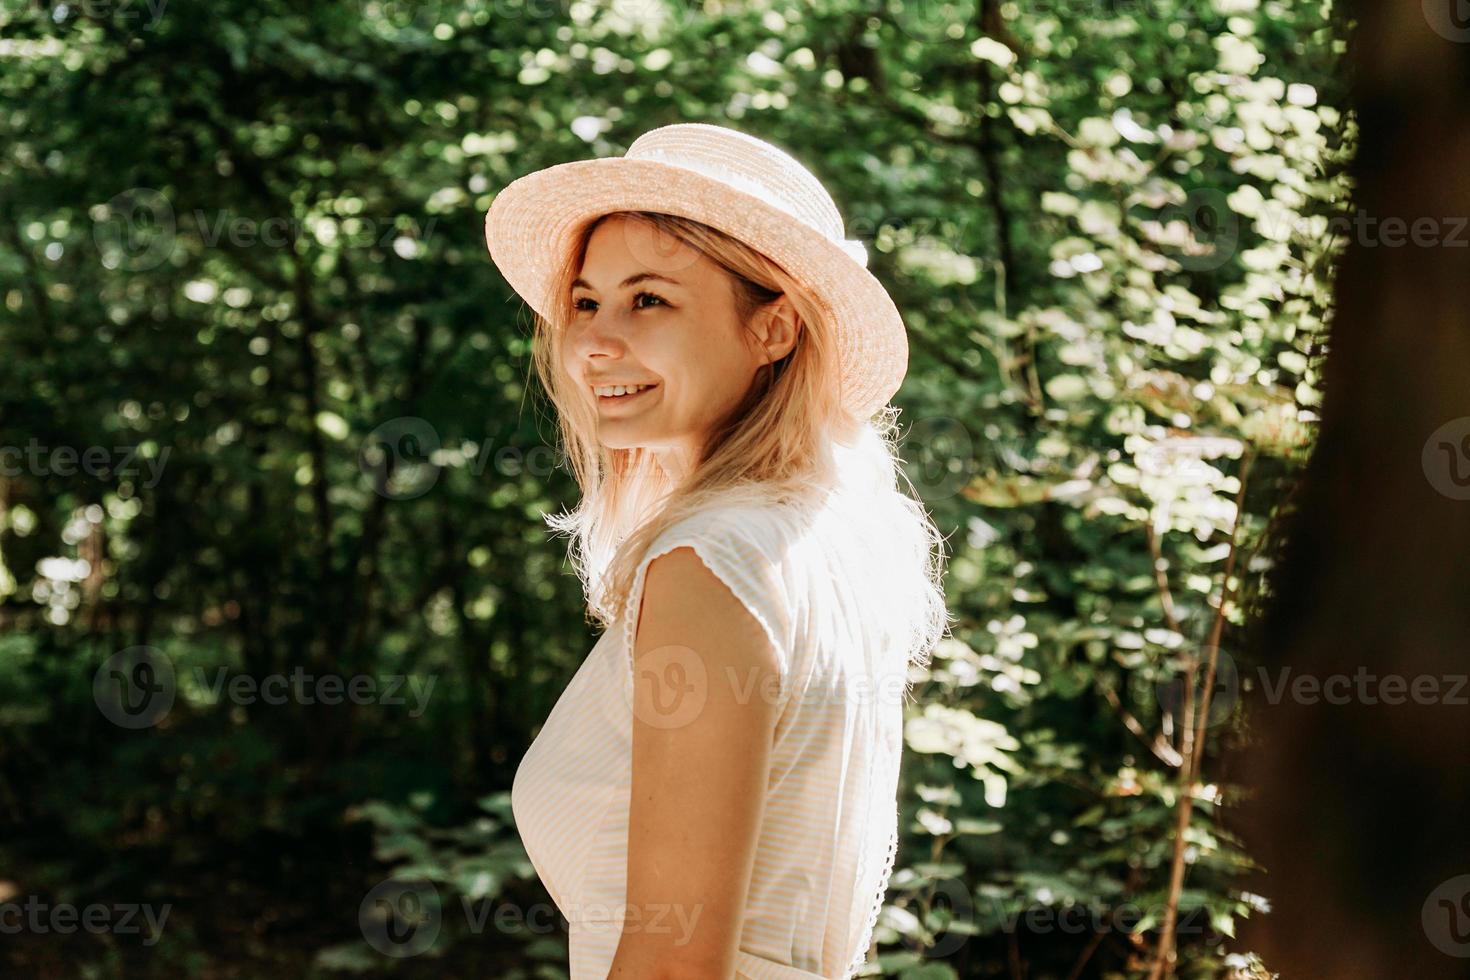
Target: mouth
(622,394)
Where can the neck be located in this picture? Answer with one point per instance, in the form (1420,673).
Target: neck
(676,462)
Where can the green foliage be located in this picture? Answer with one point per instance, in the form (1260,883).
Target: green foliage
(241,257)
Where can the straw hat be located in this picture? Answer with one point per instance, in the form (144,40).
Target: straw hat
(737,184)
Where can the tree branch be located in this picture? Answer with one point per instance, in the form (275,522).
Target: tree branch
(1193,747)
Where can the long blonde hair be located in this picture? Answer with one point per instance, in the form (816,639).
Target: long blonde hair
(790,440)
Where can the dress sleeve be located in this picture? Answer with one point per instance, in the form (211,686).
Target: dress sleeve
(745,553)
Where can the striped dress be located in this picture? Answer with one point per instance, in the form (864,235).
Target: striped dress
(830,827)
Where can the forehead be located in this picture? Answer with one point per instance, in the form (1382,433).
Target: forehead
(620,247)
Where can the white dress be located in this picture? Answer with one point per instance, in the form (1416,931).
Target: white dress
(830,826)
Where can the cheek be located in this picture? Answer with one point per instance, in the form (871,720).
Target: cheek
(570,369)
(735,360)
(719,374)
(664,352)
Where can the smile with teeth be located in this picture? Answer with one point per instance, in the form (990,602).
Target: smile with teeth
(618,391)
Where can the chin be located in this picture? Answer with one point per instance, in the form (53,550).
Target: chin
(610,438)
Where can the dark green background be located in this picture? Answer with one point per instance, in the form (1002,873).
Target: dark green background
(242,241)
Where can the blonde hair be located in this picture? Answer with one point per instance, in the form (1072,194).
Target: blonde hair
(790,440)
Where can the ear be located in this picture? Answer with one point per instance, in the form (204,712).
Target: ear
(778,326)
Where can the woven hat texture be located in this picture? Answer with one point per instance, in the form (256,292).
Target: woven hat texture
(731,181)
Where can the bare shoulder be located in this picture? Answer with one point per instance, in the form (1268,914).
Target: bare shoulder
(685,602)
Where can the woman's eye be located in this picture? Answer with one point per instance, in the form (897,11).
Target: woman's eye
(585,304)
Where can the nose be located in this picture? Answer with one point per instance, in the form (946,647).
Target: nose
(600,334)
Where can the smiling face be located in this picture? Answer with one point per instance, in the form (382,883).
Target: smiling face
(649,309)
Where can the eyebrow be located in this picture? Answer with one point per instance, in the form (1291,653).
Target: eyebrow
(630,281)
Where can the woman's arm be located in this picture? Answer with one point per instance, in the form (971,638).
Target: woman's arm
(703,717)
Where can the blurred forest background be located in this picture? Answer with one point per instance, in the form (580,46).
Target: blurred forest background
(265,408)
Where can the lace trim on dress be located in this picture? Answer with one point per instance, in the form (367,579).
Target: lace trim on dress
(861,956)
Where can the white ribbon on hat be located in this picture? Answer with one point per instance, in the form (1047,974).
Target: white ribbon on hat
(854,248)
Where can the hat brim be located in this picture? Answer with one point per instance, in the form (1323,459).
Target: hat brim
(533,222)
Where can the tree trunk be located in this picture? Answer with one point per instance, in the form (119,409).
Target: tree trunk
(1362,808)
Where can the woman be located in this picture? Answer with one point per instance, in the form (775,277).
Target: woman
(715,793)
